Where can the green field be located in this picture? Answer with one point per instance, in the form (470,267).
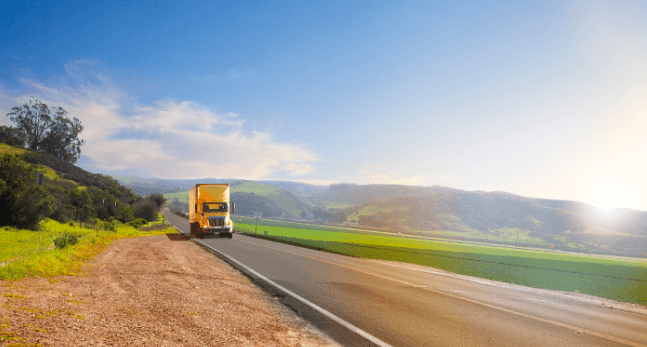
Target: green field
(621,280)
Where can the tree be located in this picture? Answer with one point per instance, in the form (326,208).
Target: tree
(48,131)
(158,199)
(145,209)
(11,136)
(339,217)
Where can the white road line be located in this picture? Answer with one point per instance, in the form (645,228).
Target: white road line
(567,326)
(344,323)
(535,299)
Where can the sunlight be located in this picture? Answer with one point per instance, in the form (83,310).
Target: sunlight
(608,196)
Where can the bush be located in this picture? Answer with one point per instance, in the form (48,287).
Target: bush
(137,223)
(23,203)
(145,209)
(65,240)
(108,226)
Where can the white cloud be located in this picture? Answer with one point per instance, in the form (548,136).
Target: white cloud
(386,179)
(167,139)
(299,169)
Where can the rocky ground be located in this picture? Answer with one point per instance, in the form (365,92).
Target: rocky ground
(149,291)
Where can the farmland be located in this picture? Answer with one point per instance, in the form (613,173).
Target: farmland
(615,279)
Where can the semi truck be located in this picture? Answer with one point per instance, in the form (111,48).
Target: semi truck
(209,210)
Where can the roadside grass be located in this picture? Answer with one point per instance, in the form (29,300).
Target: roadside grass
(33,252)
(615,279)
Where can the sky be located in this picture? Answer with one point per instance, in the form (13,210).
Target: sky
(544,99)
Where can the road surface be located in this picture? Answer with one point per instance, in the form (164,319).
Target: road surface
(407,307)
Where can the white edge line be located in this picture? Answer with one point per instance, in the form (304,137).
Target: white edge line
(347,325)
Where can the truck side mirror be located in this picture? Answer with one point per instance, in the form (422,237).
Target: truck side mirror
(233,207)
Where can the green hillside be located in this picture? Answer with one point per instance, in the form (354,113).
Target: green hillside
(180,196)
(496,217)
(253,187)
(64,188)
(290,204)
(253,197)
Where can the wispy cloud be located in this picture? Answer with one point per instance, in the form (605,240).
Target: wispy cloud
(386,179)
(168,138)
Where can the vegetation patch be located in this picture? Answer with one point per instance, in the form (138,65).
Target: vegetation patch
(608,278)
(35,254)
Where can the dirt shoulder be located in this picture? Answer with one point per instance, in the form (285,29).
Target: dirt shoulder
(152,291)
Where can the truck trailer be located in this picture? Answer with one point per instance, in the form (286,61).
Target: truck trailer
(209,210)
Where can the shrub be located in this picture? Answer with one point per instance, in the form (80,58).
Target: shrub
(109,226)
(19,194)
(145,209)
(66,239)
(137,223)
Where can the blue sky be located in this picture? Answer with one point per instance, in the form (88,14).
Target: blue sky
(541,99)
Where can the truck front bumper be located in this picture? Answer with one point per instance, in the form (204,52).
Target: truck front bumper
(219,231)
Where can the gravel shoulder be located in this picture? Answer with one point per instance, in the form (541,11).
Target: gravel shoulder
(151,291)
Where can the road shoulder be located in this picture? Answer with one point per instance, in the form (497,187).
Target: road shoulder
(157,290)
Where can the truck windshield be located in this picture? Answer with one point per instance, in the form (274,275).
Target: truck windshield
(215,207)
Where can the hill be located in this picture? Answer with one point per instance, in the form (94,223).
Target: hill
(253,197)
(290,205)
(67,185)
(445,212)
(145,186)
(496,216)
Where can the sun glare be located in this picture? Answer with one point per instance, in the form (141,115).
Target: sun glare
(608,196)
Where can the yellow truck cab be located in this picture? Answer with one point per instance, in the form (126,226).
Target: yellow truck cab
(209,210)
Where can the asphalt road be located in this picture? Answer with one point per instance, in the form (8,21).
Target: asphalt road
(406,307)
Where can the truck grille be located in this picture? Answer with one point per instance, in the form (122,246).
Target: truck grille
(216,222)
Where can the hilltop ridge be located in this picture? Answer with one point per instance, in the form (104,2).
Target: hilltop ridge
(446,212)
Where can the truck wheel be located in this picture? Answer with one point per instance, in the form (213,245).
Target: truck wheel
(231,235)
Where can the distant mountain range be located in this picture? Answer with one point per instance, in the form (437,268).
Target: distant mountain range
(146,186)
(439,211)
